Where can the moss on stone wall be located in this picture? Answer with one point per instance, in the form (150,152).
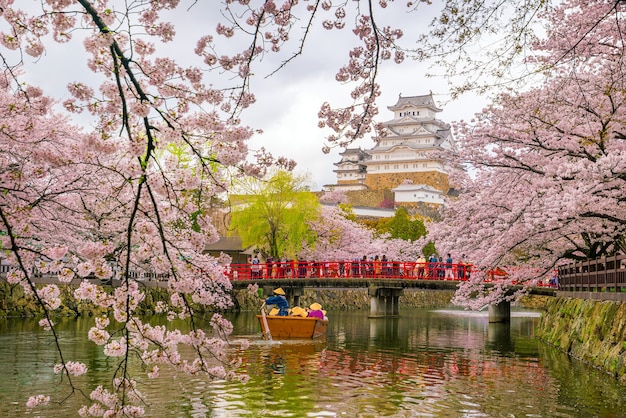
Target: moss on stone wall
(592,331)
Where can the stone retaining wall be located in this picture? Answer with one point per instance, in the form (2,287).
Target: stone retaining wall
(14,303)
(355,299)
(589,330)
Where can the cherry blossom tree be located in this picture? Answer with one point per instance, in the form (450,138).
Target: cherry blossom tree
(340,238)
(130,194)
(542,171)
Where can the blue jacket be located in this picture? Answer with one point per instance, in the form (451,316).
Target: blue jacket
(281,302)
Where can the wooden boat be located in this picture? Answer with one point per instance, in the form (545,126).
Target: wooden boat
(292,326)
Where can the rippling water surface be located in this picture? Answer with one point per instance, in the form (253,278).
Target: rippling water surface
(442,363)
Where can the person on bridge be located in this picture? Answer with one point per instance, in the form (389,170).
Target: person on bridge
(280,301)
(420,267)
(449,271)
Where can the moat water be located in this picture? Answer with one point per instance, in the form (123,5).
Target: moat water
(427,363)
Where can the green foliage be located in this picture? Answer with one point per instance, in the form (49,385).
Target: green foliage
(348,212)
(429,249)
(274,215)
(402,226)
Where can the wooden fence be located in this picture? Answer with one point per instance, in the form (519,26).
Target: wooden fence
(602,275)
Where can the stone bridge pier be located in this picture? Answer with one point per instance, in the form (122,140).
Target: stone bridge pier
(500,313)
(384,301)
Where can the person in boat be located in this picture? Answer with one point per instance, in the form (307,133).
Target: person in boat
(298,311)
(279,299)
(316,311)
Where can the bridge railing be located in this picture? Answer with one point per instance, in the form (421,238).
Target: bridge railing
(300,269)
(349,269)
(606,274)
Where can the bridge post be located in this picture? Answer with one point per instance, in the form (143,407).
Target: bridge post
(500,312)
(384,301)
(293,294)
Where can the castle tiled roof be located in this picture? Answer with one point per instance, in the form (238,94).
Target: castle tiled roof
(420,101)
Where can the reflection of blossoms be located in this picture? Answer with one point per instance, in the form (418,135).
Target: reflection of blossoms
(34,401)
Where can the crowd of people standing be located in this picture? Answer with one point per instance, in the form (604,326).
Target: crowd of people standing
(433,267)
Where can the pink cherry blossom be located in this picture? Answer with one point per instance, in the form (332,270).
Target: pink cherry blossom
(541,171)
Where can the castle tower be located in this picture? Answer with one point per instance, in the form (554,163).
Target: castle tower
(351,171)
(407,160)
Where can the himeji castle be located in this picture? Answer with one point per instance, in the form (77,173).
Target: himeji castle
(407,161)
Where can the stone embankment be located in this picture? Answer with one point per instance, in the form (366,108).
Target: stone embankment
(589,330)
(14,303)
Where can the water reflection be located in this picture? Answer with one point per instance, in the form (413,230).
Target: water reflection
(424,363)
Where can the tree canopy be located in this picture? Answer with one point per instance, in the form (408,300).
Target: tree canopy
(274,215)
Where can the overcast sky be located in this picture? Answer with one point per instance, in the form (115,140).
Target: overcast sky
(287,102)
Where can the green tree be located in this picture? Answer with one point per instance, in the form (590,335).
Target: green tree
(402,226)
(274,214)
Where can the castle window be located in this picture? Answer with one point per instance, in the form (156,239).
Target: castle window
(406,166)
(424,165)
(395,166)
